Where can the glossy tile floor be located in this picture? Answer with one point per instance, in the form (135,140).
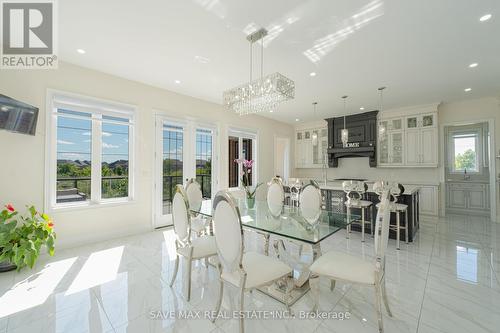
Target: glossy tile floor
(447,281)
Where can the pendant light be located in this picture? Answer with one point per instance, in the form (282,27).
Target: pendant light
(314,134)
(344,134)
(382,129)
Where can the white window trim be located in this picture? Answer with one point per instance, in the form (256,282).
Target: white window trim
(97,107)
(245,134)
(479,153)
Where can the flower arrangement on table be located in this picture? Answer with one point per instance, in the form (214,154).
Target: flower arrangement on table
(245,177)
(21,237)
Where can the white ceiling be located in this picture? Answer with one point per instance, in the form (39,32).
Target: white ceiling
(420,49)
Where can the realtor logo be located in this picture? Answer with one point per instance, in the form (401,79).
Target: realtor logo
(28,35)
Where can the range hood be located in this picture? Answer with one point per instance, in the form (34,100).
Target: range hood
(362,138)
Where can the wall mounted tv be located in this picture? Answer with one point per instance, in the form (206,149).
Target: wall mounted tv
(16,116)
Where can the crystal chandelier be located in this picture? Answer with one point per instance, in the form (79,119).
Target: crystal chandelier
(344,134)
(263,94)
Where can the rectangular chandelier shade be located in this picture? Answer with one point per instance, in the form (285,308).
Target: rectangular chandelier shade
(261,95)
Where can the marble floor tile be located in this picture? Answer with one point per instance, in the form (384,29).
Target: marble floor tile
(447,280)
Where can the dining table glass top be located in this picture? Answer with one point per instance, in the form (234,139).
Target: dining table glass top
(288,222)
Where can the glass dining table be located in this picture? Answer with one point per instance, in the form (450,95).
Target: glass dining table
(290,226)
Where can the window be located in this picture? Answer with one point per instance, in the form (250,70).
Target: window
(89,153)
(241,145)
(465,152)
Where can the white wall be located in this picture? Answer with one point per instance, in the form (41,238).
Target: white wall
(454,112)
(22,164)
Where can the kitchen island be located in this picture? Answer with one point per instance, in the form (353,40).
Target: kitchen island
(334,199)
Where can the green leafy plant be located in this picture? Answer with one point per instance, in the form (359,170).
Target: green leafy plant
(22,237)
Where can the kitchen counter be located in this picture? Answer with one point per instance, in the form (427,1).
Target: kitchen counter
(337,186)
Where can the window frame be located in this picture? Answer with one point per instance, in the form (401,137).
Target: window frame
(97,108)
(244,134)
(478,146)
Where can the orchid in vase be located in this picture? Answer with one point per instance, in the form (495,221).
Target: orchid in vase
(245,177)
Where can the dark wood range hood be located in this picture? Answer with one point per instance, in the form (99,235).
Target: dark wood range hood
(362,138)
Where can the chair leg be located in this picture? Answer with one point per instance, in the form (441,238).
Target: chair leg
(176,268)
(206,262)
(406,226)
(189,265)
(386,300)
(378,307)
(371,222)
(362,224)
(219,300)
(348,223)
(314,285)
(397,230)
(242,298)
(332,285)
(266,244)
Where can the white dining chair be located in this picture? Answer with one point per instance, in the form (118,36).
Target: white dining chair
(353,269)
(275,196)
(195,198)
(310,202)
(244,270)
(354,192)
(201,247)
(395,190)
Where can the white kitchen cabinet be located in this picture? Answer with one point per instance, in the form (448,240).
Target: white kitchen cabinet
(467,197)
(391,143)
(429,200)
(421,147)
(408,141)
(310,147)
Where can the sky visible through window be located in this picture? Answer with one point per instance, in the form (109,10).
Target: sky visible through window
(74,140)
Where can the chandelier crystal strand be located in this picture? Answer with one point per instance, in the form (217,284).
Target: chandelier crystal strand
(263,94)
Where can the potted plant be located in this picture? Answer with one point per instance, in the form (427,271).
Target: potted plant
(22,237)
(245,181)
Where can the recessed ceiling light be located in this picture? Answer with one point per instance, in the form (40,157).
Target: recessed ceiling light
(474,64)
(271,111)
(485,17)
(297,119)
(312,74)
(467,89)
(361,108)
(202,60)
(177,81)
(81,51)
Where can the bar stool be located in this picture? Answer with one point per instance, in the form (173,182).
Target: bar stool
(396,190)
(294,193)
(354,191)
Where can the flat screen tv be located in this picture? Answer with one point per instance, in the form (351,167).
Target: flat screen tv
(16,116)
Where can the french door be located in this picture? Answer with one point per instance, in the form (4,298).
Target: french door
(184,150)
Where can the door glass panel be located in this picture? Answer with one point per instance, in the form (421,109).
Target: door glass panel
(396,124)
(173,143)
(411,122)
(234,153)
(428,120)
(384,149)
(247,152)
(204,150)
(397,148)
